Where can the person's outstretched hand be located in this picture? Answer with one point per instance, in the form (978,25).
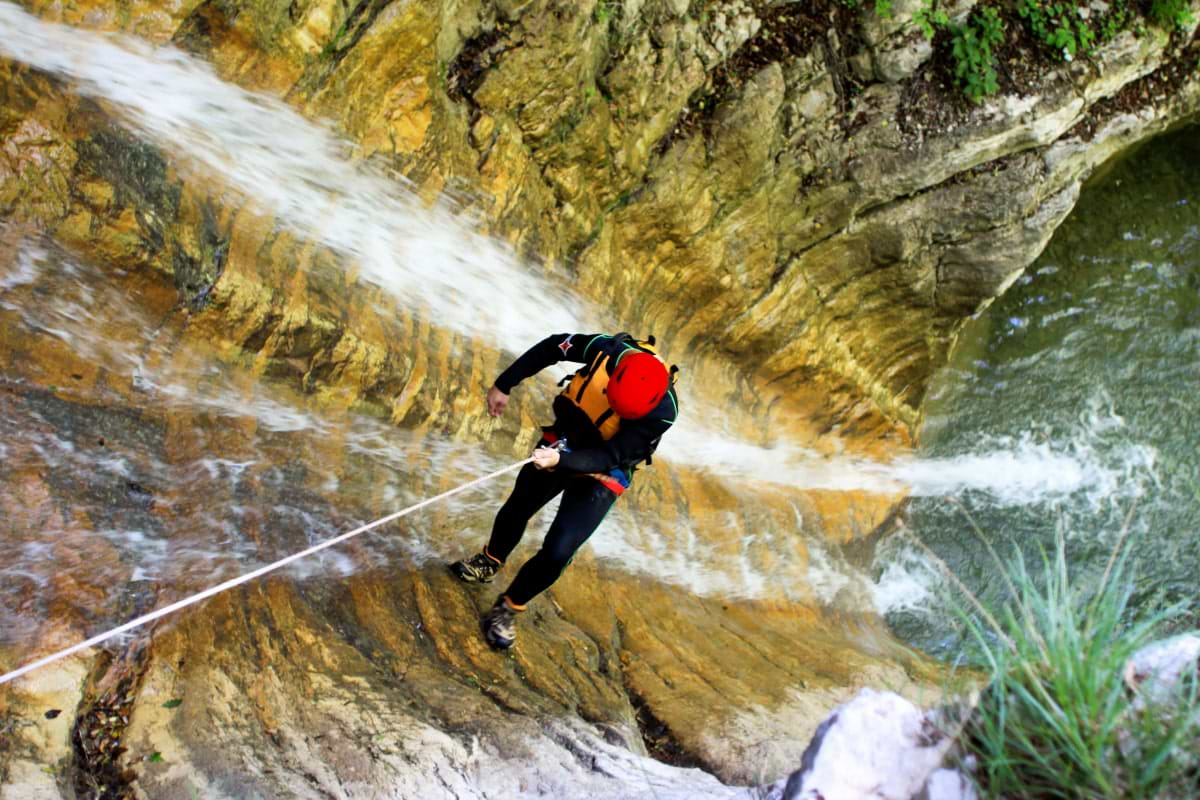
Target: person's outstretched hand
(545,457)
(496,401)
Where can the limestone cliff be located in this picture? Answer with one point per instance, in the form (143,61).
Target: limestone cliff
(787,194)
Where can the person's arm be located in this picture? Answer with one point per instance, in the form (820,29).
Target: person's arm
(632,444)
(557,347)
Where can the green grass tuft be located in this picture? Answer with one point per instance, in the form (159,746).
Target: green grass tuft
(1057,719)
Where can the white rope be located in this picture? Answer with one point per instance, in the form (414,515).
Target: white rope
(229,584)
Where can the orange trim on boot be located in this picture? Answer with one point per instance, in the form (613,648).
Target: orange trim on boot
(513,605)
(492,557)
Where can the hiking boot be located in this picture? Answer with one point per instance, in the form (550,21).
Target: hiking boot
(500,624)
(479,568)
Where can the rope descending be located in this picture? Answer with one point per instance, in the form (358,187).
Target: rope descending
(249,576)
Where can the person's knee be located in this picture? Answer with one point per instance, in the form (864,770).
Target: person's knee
(558,554)
(516,512)
(509,515)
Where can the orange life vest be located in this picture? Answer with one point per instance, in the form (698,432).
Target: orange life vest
(588,388)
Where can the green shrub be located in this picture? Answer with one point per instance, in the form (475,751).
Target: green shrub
(929,18)
(1171,13)
(971,47)
(1058,26)
(1057,719)
(1115,21)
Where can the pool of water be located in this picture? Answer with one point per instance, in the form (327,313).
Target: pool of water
(1094,353)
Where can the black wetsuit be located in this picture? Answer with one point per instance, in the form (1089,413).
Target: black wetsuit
(585,500)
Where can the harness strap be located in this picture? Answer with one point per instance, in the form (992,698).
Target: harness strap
(591,373)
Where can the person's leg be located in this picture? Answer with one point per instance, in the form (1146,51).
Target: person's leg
(533,489)
(584,504)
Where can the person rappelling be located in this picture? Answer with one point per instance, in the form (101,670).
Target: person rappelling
(608,420)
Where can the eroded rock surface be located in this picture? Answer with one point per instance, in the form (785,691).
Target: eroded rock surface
(807,253)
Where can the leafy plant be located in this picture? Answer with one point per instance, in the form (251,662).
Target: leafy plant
(929,18)
(1116,20)
(972,48)
(1059,26)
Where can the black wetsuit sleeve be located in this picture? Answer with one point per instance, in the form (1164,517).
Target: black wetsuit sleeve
(551,350)
(633,444)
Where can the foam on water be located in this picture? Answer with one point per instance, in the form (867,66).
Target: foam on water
(430,258)
(907,580)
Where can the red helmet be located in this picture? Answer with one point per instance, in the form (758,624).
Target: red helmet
(637,385)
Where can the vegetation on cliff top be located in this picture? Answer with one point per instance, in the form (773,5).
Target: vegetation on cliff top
(1059,30)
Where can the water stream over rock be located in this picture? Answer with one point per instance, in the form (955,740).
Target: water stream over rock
(229,330)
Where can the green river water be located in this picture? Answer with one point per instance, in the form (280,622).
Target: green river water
(1094,353)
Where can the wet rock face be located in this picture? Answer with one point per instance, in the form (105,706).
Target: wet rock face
(810,226)
(367,669)
(706,173)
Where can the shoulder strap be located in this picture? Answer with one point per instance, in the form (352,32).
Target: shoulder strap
(647,345)
(590,373)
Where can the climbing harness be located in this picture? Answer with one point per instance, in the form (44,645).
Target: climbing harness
(229,584)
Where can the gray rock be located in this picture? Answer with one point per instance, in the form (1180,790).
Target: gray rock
(1155,671)
(878,746)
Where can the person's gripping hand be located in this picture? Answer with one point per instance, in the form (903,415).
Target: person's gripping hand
(545,457)
(496,401)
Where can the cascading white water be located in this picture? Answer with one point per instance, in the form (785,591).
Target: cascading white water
(249,487)
(430,258)
(1012,470)
(433,260)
